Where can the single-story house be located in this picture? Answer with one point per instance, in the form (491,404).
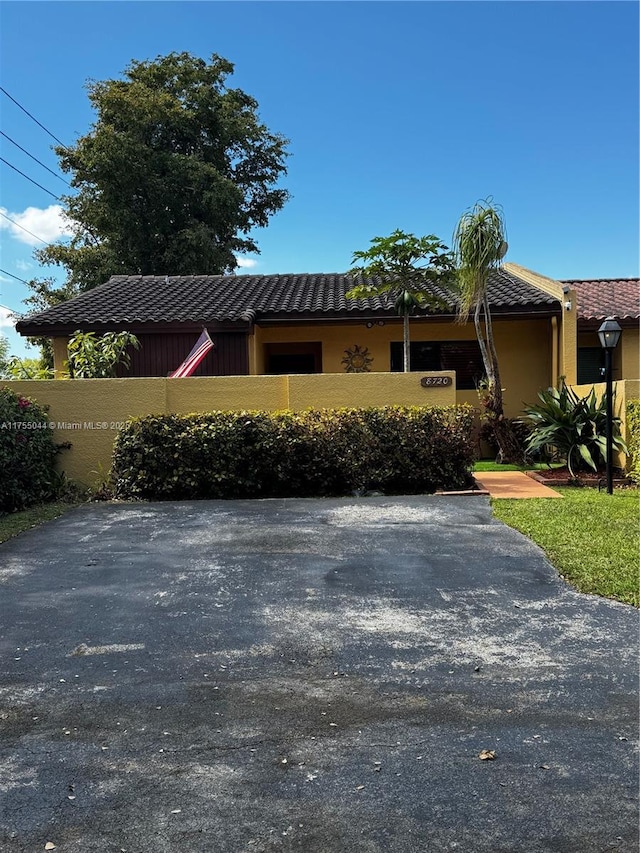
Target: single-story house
(302,323)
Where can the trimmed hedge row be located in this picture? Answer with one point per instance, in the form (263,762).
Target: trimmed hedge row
(397,450)
(27,453)
(633,438)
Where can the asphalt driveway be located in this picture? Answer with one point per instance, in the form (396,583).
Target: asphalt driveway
(309,675)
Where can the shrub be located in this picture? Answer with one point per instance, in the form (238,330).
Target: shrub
(27,453)
(314,453)
(572,428)
(97,356)
(633,435)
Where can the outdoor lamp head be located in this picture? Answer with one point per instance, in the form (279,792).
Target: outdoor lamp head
(609,333)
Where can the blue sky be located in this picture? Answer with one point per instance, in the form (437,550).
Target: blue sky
(400,115)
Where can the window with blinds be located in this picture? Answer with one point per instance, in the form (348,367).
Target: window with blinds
(463,357)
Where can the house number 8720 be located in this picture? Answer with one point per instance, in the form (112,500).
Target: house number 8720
(435,381)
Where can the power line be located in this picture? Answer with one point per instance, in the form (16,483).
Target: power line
(55,174)
(4,272)
(15,169)
(32,117)
(26,230)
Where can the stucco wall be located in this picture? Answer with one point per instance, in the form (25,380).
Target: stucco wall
(89,412)
(524,350)
(630,354)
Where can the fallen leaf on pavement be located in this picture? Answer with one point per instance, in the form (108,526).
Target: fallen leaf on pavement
(487,755)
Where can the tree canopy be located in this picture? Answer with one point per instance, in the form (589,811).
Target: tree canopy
(407,268)
(172,177)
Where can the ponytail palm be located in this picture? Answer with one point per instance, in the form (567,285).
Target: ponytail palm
(480,244)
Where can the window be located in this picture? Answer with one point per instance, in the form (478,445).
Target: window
(463,357)
(590,365)
(294,358)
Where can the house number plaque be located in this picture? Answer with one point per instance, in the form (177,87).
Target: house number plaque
(435,381)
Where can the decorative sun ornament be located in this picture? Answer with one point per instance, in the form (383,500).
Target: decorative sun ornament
(357,359)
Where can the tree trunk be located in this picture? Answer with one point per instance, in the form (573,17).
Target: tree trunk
(406,348)
(509,447)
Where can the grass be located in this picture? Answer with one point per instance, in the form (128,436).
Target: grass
(589,536)
(490,465)
(17,522)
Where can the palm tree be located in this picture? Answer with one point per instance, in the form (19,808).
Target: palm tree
(407,268)
(480,244)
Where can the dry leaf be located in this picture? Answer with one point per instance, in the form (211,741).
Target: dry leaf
(487,755)
(49,845)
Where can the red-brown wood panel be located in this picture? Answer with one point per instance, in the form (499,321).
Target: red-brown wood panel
(161,354)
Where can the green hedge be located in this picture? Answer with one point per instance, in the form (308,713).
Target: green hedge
(633,438)
(285,454)
(27,453)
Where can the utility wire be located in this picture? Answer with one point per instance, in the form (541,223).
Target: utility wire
(15,169)
(26,230)
(32,117)
(4,272)
(55,174)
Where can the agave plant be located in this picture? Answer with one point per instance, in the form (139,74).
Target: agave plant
(571,428)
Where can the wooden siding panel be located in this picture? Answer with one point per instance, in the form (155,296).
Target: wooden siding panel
(162,353)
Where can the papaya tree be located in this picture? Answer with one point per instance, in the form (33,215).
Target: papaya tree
(414,271)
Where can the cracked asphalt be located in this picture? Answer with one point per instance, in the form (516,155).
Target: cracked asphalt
(309,675)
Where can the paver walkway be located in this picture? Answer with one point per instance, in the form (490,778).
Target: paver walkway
(513,484)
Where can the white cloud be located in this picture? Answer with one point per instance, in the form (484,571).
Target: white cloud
(246,263)
(48,224)
(7,318)
(24,266)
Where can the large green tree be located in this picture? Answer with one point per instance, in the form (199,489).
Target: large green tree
(480,244)
(406,267)
(172,177)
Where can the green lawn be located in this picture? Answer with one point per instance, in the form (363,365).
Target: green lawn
(17,522)
(589,536)
(490,465)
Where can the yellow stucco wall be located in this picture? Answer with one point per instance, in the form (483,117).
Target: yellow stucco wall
(60,357)
(367,389)
(567,355)
(211,393)
(630,354)
(524,350)
(89,412)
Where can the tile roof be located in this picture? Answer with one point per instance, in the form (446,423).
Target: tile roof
(607,297)
(217,298)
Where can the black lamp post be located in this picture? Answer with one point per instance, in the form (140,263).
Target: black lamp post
(609,334)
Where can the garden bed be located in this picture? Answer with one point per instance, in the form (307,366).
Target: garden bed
(562,477)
